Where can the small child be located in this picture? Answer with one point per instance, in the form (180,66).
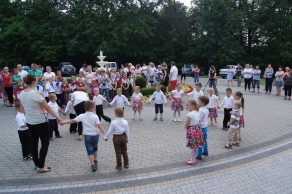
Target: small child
(73,83)
(72,114)
(80,86)
(23,132)
(212,106)
(203,101)
(120,99)
(59,76)
(18,90)
(52,120)
(98,100)
(137,103)
(120,130)
(91,129)
(94,85)
(159,99)
(238,97)
(126,85)
(197,92)
(58,90)
(227,104)
(177,99)
(50,85)
(65,92)
(234,125)
(114,85)
(194,135)
(119,78)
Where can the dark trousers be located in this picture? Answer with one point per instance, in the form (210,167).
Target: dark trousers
(40,131)
(79,109)
(73,127)
(99,113)
(59,96)
(247,83)
(53,127)
(120,145)
(24,138)
(269,82)
(9,93)
(212,84)
(288,89)
(226,116)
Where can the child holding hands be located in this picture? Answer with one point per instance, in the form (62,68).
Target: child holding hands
(98,100)
(137,103)
(159,99)
(177,99)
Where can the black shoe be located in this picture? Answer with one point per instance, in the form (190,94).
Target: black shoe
(126,166)
(95,162)
(205,154)
(118,168)
(223,128)
(93,167)
(199,158)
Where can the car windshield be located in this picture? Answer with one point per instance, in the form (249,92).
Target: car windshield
(227,67)
(67,66)
(189,66)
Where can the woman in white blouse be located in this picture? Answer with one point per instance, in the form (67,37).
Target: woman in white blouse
(247,72)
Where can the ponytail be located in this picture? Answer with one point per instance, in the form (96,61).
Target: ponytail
(29,79)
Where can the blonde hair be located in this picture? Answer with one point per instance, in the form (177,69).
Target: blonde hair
(51,96)
(193,103)
(210,90)
(119,90)
(137,88)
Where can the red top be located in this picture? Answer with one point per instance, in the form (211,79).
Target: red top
(197,71)
(78,86)
(17,92)
(6,79)
(73,83)
(65,87)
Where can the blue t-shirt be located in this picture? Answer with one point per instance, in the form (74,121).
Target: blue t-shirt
(257,77)
(15,79)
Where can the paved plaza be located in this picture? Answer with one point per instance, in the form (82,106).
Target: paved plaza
(157,154)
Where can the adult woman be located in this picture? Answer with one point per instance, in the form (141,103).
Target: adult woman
(212,79)
(279,80)
(288,85)
(103,83)
(165,76)
(34,105)
(49,74)
(151,72)
(247,75)
(14,80)
(2,91)
(78,99)
(138,71)
(8,86)
(183,73)
(230,73)
(196,74)
(269,72)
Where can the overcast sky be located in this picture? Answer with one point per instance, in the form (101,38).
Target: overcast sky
(186,2)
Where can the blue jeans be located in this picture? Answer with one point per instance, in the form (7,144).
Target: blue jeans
(205,147)
(196,78)
(106,91)
(91,143)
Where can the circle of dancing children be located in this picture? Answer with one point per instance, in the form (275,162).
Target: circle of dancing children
(177,99)
(212,106)
(136,102)
(159,99)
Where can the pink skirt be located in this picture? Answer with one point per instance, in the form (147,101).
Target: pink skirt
(194,137)
(177,105)
(137,105)
(213,113)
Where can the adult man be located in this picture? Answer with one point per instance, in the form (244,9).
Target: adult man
(173,75)
(36,72)
(238,71)
(22,73)
(83,69)
(49,74)
(256,78)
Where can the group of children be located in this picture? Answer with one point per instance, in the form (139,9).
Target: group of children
(201,108)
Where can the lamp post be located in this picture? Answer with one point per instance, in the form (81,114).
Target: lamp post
(205,32)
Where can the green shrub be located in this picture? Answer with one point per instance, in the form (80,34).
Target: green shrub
(141,82)
(151,90)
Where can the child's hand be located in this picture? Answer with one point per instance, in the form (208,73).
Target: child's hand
(105,139)
(147,103)
(182,101)
(228,124)
(130,105)
(172,100)
(64,114)
(230,112)
(165,103)
(218,107)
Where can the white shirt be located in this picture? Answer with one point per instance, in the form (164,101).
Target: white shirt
(31,102)
(246,71)
(212,101)
(82,70)
(126,70)
(51,87)
(174,72)
(78,97)
(195,118)
(69,108)
(203,112)
(239,110)
(89,122)
(120,101)
(159,97)
(58,87)
(20,120)
(98,99)
(49,75)
(227,102)
(196,94)
(22,74)
(138,71)
(177,94)
(40,89)
(54,106)
(89,77)
(118,127)
(137,96)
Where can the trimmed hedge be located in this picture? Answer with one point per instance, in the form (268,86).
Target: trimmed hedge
(151,90)
(141,82)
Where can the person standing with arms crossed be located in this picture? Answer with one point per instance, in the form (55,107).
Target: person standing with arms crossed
(238,71)
(173,76)
(183,73)
(36,72)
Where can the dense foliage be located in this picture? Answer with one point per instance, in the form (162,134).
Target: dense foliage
(51,31)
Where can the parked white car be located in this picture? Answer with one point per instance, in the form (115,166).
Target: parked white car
(223,72)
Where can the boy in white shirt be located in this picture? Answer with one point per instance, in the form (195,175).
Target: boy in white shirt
(72,114)
(51,86)
(98,100)
(120,99)
(23,132)
(120,130)
(203,101)
(227,104)
(159,99)
(197,92)
(91,129)
(52,120)
(58,90)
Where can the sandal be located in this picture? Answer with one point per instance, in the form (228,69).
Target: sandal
(228,146)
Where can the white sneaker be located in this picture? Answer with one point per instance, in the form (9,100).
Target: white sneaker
(174,120)
(178,120)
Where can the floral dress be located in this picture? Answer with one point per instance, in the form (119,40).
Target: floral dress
(194,137)
(177,105)
(137,104)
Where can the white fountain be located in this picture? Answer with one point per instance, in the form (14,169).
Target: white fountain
(101,63)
